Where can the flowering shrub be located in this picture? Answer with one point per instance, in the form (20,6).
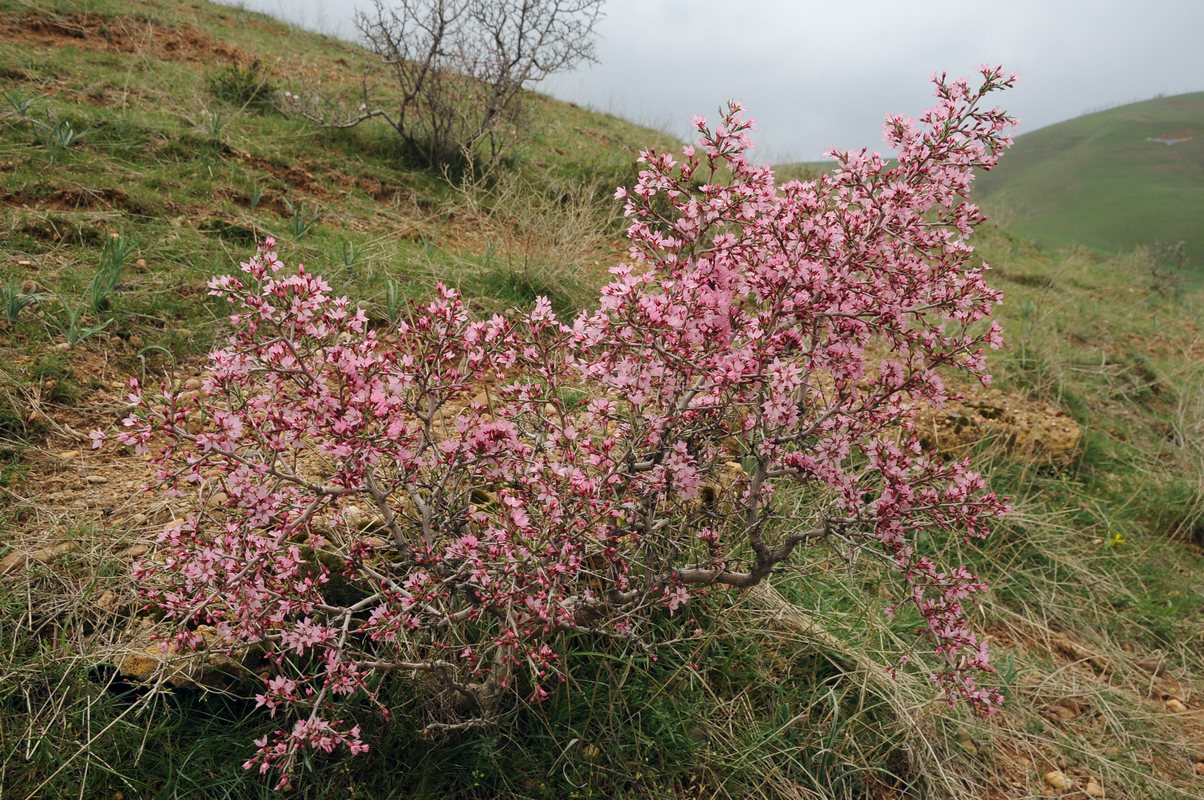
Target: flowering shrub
(439,500)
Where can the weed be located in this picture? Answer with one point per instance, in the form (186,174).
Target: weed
(60,137)
(107,280)
(69,322)
(1184,513)
(540,236)
(243,86)
(19,102)
(214,123)
(16,299)
(395,301)
(520,289)
(303,218)
(255,194)
(350,256)
(230,231)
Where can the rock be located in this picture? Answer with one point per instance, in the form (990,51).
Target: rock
(362,519)
(1093,789)
(1200,768)
(1076,651)
(133,551)
(211,667)
(1056,779)
(1035,431)
(1175,706)
(1169,686)
(192,385)
(108,601)
(968,746)
(44,556)
(68,455)
(1059,713)
(62,347)
(96,479)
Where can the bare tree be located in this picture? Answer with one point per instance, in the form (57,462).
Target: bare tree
(461,65)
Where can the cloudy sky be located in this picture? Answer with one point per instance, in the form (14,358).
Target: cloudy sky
(819,73)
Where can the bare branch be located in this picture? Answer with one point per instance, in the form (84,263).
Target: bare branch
(461,65)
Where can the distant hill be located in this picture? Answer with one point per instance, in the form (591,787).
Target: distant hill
(802,170)
(1112,180)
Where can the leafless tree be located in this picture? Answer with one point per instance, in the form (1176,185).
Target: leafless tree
(460,67)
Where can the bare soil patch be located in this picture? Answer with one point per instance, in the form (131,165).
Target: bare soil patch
(76,199)
(118,34)
(295,176)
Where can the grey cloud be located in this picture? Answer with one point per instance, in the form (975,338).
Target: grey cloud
(817,74)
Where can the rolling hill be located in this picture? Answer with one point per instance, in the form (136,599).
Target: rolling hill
(1112,180)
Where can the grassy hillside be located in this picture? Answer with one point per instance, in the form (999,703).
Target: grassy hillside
(801,170)
(1096,614)
(164,155)
(1113,180)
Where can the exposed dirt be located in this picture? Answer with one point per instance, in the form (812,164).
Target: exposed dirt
(385,194)
(119,34)
(78,198)
(296,176)
(270,201)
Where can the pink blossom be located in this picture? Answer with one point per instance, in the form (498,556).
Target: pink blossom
(437,498)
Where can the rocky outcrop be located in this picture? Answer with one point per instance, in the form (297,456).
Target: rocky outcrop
(1026,429)
(212,667)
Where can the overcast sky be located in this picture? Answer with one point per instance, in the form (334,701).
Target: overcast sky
(819,73)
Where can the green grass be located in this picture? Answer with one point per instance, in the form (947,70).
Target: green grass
(1099,181)
(787,694)
(187,154)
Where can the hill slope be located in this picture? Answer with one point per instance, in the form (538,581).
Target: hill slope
(1112,180)
(115,119)
(1096,613)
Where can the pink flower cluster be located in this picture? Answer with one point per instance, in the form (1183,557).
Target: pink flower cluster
(438,498)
